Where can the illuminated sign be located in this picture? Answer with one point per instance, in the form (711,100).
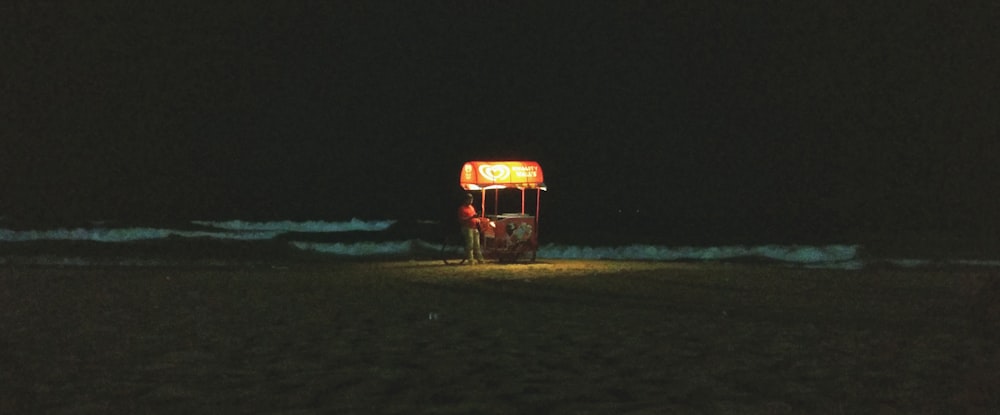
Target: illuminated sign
(500,174)
(526,172)
(494,172)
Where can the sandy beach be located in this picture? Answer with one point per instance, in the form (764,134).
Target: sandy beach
(557,337)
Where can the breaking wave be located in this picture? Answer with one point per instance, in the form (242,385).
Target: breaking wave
(357,238)
(308,226)
(234,229)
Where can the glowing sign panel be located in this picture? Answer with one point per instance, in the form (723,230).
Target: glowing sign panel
(499,174)
(494,172)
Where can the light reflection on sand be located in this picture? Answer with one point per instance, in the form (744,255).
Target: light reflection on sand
(527,270)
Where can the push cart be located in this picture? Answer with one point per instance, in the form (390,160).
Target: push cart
(506,235)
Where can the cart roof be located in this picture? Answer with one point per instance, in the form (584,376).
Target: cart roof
(478,175)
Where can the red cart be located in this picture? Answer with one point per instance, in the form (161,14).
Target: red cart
(507,236)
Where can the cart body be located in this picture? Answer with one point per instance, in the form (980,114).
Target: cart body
(506,236)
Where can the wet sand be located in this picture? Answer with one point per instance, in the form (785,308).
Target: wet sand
(558,337)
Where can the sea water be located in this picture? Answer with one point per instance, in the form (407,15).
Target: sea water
(223,242)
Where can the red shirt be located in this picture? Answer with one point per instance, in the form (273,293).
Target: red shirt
(467,216)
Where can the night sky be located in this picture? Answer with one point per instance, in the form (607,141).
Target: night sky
(771,118)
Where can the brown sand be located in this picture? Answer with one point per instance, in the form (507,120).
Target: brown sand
(559,337)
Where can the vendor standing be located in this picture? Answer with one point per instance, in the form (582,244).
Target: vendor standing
(470,230)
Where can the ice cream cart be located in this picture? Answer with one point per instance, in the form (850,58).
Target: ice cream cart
(509,235)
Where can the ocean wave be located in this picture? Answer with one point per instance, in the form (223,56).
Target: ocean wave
(833,256)
(359,249)
(842,257)
(233,229)
(928,263)
(384,239)
(123,235)
(354,224)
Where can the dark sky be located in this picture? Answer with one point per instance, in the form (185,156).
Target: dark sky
(812,116)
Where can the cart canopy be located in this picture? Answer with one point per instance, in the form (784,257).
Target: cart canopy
(478,175)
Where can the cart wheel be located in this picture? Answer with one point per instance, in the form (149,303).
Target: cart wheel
(518,251)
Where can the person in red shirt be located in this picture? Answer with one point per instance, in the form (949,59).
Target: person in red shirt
(470,230)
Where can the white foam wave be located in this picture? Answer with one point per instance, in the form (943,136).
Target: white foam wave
(978,263)
(354,224)
(908,262)
(358,249)
(921,263)
(832,254)
(829,256)
(123,234)
(234,229)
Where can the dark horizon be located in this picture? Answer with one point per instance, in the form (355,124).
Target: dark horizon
(807,119)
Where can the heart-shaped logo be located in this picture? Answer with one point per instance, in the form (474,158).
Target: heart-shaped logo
(494,172)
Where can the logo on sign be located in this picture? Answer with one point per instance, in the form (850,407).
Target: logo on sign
(494,172)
